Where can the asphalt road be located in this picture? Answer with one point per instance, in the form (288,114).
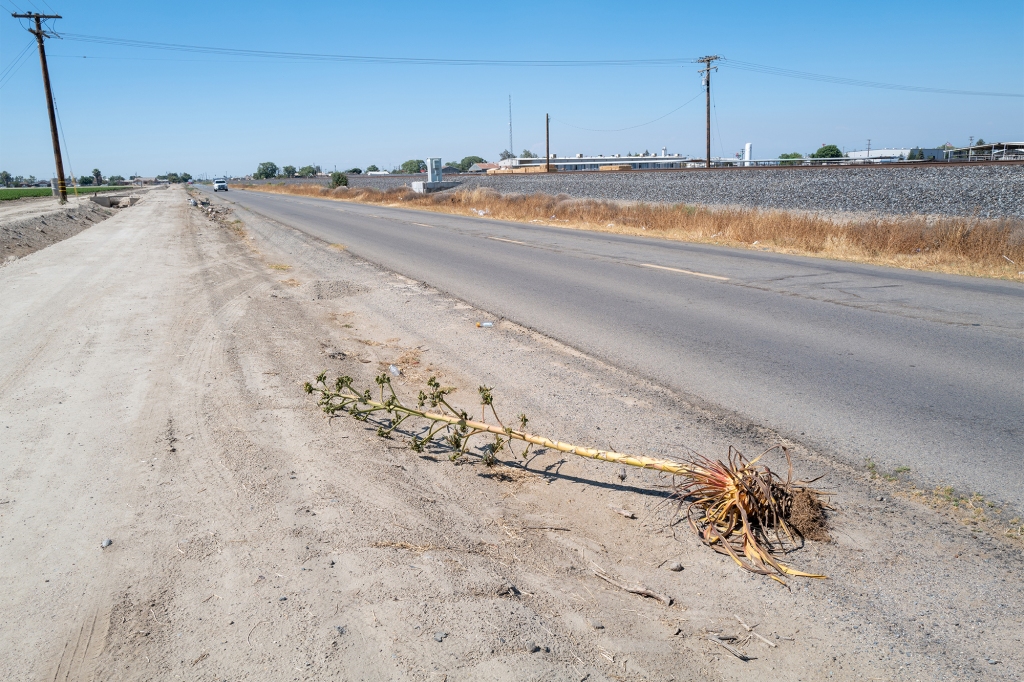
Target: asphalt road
(909,369)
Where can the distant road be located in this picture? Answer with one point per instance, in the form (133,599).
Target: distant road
(906,368)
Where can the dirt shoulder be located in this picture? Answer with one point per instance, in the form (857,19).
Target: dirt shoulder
(254,538)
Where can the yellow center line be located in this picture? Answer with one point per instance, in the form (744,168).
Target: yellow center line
(510,241)
(685,272)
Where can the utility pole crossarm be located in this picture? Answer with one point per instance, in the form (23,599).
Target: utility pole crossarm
(40,34)
(708,68)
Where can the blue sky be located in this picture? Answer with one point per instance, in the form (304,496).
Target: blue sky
(129,110)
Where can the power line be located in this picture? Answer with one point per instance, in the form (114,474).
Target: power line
(714,107)
(16,60)
(67,150)
(618,130)
(839,80)
(367,59)
(372,59)
(155,59)
(10,76)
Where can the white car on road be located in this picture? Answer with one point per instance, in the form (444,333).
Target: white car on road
(220,184)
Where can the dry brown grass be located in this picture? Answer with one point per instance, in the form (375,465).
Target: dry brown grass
(966,246)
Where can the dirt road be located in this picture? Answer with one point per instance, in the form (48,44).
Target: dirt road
(150,394)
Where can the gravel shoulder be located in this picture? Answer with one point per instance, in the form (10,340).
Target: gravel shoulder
(150,378)
(988,191)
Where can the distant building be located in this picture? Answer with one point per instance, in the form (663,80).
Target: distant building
(449,170)
(881,155)
(481,167)
(998,151)
(579,162)
(885,155)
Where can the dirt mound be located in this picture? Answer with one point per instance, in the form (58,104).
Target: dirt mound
(26,234)
(807,517)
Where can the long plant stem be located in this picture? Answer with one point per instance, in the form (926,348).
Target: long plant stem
(640,461)
(735,505)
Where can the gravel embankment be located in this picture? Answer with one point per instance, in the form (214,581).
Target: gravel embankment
(26,231)
(986,191)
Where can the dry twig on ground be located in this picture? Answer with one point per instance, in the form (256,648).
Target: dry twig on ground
(635,588)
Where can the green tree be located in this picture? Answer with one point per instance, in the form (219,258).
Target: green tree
(414,166)
(115,180)
(980,141)
(5,179)
(506,154)
(372,169)
(307,171)
(31,180)
(19,180)
(354,171)
(468,161)
(791,155)
(289,171)
(338,180)
(85,180)
(527,154)
(184,177)
(97,176)
(829,151)
(172,178)
(265,171)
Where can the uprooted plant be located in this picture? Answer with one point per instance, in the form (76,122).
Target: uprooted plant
(739,508)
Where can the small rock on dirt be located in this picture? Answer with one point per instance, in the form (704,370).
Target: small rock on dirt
(106,543)
(507,589)
(531,646)
(674,566)
(439,636)
(594,623)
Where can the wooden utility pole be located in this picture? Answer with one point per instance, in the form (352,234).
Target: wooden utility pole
(39,33)
(708,68)
(547,142)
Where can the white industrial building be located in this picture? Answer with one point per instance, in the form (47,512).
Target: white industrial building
(997,151)
(579,162)
(898,154)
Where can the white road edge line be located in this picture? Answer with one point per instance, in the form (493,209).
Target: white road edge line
(422,224)
(510,241)
(685,272)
